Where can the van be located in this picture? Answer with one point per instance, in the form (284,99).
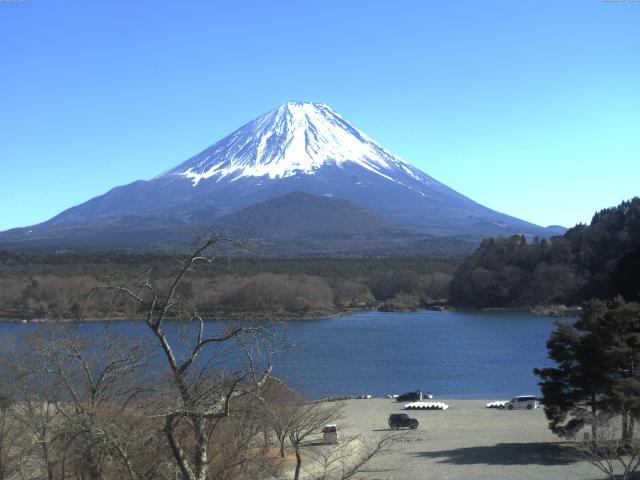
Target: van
(330,433)
(528,402)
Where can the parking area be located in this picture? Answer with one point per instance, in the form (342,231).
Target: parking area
(466,441)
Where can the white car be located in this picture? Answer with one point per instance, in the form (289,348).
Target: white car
(522,402)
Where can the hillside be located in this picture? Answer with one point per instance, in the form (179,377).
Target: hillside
(599,260)
(299,214)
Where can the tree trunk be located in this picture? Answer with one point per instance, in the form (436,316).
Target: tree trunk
(178,454)
(94,471)
(201,448)
(625,428)
(628,429)
(47,462)
(296,475)
(594,427)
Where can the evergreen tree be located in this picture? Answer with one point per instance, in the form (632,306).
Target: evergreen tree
(598,368)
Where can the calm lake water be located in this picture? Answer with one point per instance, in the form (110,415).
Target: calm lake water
(450,354)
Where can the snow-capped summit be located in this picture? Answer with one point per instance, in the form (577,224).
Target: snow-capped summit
(300,170)
(294,138)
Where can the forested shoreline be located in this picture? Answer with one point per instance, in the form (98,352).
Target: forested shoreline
(54,286)
(600,260)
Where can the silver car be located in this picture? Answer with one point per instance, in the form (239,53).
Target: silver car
(522,402)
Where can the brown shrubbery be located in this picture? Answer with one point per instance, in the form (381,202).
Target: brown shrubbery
(54,286)
(188,400)
(269,292)
(95,408)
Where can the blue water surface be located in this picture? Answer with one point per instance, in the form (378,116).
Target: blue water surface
(451,354)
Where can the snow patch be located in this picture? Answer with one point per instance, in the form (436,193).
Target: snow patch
(295,138)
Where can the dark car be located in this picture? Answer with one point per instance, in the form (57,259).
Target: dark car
(402,420)
(416,396)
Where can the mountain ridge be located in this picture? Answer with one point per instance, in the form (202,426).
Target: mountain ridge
(298,214)
(296,147)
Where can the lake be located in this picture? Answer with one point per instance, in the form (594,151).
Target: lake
(450,354)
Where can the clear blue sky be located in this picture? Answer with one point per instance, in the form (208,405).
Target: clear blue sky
(529,107)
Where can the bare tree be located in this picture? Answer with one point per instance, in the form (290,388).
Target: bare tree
(36,415)
(32,410)
(79,405)
(191,400)
(202,393)
(306,420)
(279,403)
(98,388)
(236,453)
(608,449)
(98,412)
(10,437)
(351,456)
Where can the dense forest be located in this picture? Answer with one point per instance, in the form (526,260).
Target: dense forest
(599,260)
(54,285)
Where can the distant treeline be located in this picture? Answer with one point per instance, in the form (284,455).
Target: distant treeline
(55,285)
(600,260)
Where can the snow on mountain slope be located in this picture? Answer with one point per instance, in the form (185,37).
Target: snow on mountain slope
(295,138)
(297,147)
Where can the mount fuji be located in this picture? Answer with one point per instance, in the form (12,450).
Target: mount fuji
(305,149)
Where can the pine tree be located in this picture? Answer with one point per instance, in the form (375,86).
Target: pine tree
(598,368)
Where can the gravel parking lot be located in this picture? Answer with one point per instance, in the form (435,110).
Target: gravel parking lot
(467,441)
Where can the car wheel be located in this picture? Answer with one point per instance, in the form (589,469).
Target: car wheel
(529,407)
(510,407)
(413,427)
